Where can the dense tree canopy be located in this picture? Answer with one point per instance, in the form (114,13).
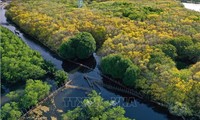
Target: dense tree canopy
(18,61)
(35,90)
(120,67)
(181,44)
(193,52)
(115,65)
(155,35)
(10,111)
(169,50)
(96,108)
(131,74)
(81,46)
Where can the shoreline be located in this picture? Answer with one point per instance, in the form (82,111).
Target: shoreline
(190,1)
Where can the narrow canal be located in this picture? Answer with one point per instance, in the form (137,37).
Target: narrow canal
(135,108)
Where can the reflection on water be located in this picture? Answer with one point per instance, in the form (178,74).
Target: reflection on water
(71,68)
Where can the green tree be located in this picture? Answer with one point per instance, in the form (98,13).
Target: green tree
(131,75)
(169,50)
(29,99)
(95,108)
(34,91)
(15,95)
(196,38)
(157,57)
(86,45)
(115,65)
(180,109)
(61,76)
(10,111)
(81,46)
(49,67)
(18,61)
(116,113)
(193,52)
(193,98)
(181,43)
(67,50)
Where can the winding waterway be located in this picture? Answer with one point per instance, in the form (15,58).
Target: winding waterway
(135,108)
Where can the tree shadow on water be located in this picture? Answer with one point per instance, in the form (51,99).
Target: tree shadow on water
(87,65)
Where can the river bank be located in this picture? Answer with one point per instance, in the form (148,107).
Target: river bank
(191,1)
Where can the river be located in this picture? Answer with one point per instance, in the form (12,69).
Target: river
(192,6)
(135,108)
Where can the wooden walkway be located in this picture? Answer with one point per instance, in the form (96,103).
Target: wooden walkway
(65,86)
(117,86)
(77,87)
(46,98)
(120,89)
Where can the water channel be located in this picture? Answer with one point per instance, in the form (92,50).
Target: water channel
(135,108)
